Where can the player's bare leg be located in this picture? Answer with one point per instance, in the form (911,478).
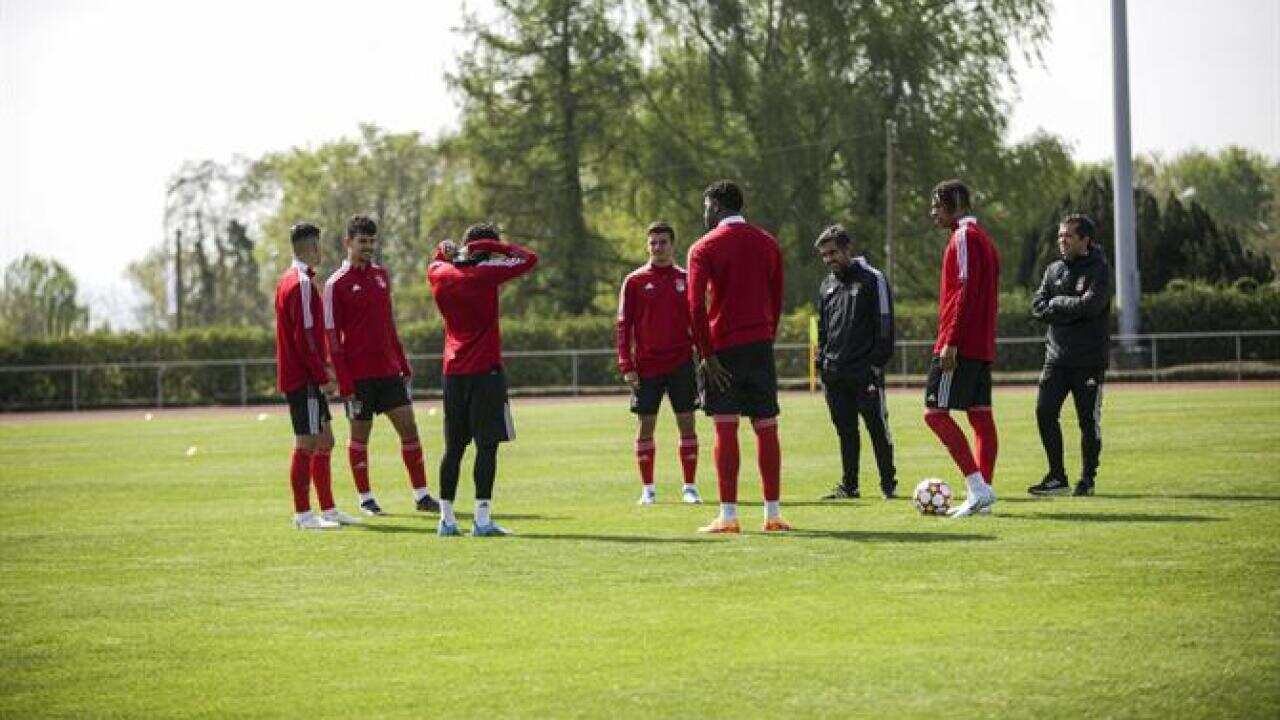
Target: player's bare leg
(411,452)
(645,451)
(687,425)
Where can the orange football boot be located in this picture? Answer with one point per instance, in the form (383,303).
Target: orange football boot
(720,526)
(776,525)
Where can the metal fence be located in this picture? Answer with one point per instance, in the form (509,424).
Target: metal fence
(1153,357)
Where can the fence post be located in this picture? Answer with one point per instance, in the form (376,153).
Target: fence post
(244,386)
(904,365)
(1155,360)
(159,386)
(1239,361)
(75,389)
(573,354)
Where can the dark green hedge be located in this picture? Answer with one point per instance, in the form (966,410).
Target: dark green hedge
(1180,308)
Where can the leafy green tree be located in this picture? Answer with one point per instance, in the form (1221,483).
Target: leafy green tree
(38,299)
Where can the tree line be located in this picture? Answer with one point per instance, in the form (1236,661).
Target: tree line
(583,120)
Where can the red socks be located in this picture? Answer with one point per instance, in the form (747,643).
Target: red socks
(726,454)
(358,454)
(984,433)
(769,456)
(322,478)
(689,458)
(645,450)
(942,425)
(411,452)
(300,479)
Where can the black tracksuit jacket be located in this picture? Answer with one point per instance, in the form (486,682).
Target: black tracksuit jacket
(855,321)
(1074,299)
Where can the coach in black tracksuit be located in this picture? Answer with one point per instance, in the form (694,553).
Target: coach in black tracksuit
(855,340)
(1074,299)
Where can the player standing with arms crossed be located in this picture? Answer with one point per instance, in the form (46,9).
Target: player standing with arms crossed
(303,377)
(655,356)
(373,373)
(960,374)
(475,388)
(739,267)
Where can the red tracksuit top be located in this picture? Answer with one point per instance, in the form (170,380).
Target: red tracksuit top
(653,314)
(363,342)
(467,296)
(968,293)
(299,330)
(741,265)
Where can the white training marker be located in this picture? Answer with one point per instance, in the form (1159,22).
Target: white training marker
(431,411)
(148,416)
(262,416)
(191,451)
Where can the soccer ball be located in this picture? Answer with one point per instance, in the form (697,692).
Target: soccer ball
(932,497)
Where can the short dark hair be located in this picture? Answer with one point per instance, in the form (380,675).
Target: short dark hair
(361,225)
(953,194)
(303,232)
(661,226)
(726,194)
(835,234)
(482,231)
(1081,225)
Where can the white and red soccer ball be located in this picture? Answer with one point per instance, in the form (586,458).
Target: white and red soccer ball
(932,497)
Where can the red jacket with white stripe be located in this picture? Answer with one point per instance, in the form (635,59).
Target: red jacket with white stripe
(299,330)
(467,296)
(361,328)
(652,331)
(968,292)
(740,267)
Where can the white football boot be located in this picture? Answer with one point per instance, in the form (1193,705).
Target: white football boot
(310,521)
(690,496)
(336,515)
(988,500)
(648,496)
(974,499)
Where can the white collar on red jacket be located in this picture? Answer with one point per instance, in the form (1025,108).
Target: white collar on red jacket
(968,220)
(301,265)
(732,220)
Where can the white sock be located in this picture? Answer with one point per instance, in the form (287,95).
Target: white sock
(771,510)
(366,497)
(302,515)
(482,512)
(975,483)
(650,490)
(446,513)
(419,493)
(689,486)
(728,511)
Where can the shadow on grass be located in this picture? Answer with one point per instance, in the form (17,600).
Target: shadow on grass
(1115,517)
(889,536)
(1188,496)
(435,517)
(611,538)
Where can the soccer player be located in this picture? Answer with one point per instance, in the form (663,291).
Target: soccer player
(1074,299)
(373,373)
(655,356)
(465,288)
(740,267)
(303,377)
(960,374)
(855,340)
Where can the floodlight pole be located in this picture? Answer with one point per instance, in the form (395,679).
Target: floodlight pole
(1127,288)
(888,202)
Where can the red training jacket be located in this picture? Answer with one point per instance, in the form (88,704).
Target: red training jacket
(299,333)
(467,296)
(363,342)
(741,265)
(968,293)
(653,314)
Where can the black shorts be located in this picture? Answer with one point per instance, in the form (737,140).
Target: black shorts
(308,409)
(376,396)
(969,385)
(680,385)
(476,407)
(753,389)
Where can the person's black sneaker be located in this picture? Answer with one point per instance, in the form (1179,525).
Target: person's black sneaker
(1051,485)
(428,504)
(889,489)
(371,507)
(1084,488)
(843,492)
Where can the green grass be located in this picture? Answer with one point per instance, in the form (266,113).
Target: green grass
(135,580)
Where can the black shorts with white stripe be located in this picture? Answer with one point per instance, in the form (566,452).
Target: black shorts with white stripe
(308,409)
(476,407)
(968,385)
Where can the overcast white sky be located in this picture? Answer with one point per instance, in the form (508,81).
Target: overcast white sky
(101,101)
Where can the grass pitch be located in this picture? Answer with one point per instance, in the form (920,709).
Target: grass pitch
(137,580)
